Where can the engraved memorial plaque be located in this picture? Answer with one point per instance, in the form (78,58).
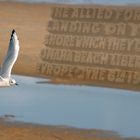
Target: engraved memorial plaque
(94,45)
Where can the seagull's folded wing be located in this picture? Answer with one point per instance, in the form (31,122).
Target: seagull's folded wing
(11,56)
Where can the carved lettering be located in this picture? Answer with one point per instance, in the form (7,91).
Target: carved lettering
(96,13)
(93,44)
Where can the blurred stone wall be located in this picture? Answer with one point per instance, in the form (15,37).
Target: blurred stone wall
(93,44)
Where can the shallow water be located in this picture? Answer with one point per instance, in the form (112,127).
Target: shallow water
(78,106)
(106,2)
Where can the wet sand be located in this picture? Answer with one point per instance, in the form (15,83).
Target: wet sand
(26,131)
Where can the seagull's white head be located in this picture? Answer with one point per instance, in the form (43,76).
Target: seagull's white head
(12,82)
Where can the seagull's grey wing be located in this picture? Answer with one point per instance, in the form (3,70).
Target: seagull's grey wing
(11,56)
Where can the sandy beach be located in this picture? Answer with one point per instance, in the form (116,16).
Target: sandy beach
(10,129)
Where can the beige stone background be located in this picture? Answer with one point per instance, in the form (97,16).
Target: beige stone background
(31,23)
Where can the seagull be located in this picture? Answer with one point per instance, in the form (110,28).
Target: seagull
(9,61)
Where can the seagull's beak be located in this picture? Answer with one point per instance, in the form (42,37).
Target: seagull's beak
(16,84)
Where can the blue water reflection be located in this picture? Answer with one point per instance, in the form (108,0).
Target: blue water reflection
(79,106)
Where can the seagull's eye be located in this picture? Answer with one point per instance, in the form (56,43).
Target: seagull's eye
(12,82)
